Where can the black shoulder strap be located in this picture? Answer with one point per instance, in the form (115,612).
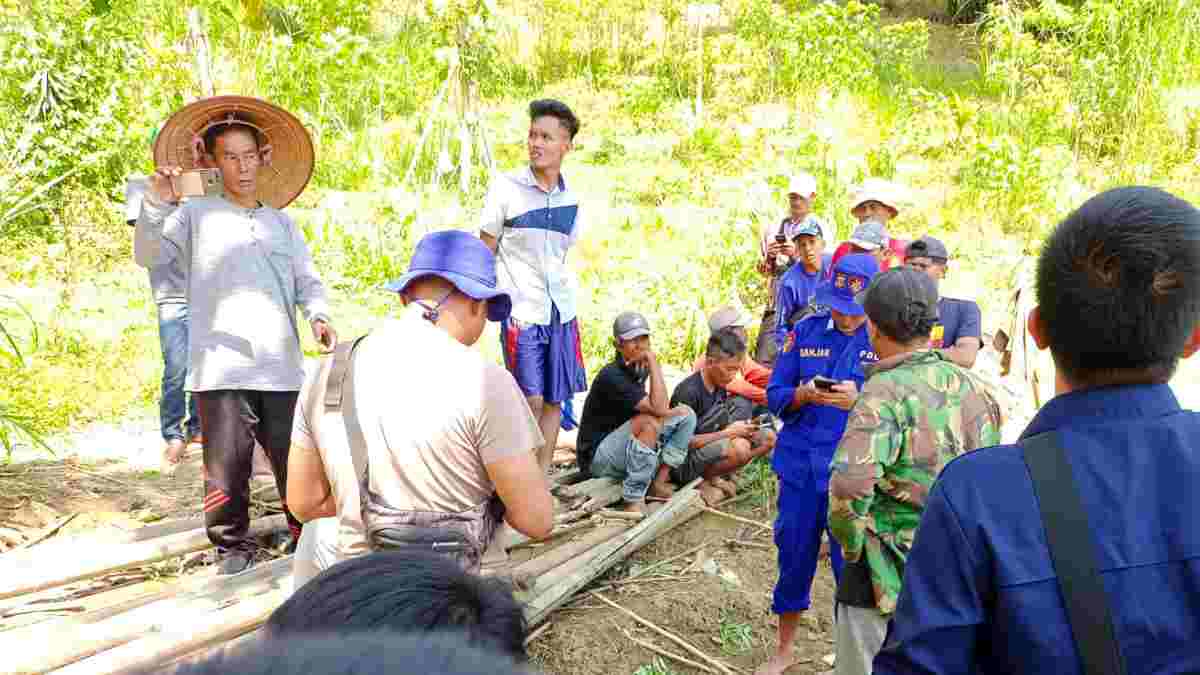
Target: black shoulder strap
(1073,553)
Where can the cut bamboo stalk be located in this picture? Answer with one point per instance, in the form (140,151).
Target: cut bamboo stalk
(739,519)
(568,551)
(564,581)
(184,638)
(588,488)
(97,632)
(28,575)
(48,532)
(667,634)
(621,515)
(516,539)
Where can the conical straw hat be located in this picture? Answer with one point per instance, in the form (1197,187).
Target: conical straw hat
(290,165)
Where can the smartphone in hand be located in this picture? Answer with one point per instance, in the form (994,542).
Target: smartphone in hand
(199,183)
(823,383)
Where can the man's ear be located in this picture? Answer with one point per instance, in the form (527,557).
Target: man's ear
(1193,343)
(1037,330)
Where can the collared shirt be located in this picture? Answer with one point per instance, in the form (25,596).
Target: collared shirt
(811,432)
(916,412)
(956,319)
(533,229)
(247,271)
(980,592)
(797,292)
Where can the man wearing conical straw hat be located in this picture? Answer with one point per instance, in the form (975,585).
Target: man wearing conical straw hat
(248,269)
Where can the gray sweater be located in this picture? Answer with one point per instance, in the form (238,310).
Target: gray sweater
(247,270)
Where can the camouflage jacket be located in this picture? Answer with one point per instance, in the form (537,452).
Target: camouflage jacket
(916,412)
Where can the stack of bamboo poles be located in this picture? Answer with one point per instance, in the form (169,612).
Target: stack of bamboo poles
(201,612)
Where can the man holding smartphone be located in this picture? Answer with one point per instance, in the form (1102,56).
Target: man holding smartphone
(247,269)
(816,380)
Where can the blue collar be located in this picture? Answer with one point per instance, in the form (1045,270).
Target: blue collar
(1104,404)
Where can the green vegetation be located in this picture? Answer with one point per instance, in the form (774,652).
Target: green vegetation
(737,637)
(656,667)
(690,132)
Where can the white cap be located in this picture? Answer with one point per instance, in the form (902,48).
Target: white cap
(802,184)
(875,190)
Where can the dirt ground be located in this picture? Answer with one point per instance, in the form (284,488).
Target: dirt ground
(586,636)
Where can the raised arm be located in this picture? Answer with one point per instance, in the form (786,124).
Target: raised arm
(160,233)
(656,402)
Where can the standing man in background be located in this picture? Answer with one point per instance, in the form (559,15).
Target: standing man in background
(247,269)
(168,286)
(958,334)
(530,220)
(778,255)
(798,288)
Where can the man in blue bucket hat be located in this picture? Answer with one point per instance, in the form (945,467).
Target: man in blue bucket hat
(815,383)
(450,441)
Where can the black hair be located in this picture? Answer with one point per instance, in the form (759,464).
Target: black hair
(906,327)
(550,107)
(407,591)
(218,130)
(346,653)
(1118,287)
(725,344)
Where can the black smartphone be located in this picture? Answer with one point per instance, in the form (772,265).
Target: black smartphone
(780,239)
(824,383)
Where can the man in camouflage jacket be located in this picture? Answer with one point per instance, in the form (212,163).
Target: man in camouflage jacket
(916,412)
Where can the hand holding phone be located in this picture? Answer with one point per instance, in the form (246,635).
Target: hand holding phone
(199,183)
(823,383)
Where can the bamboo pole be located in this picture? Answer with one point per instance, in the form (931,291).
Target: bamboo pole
(568,551)
(30,574)
(38,649)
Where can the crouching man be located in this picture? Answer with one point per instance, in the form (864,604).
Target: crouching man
(441,438)
(725,440)
(917,411)
(627,433)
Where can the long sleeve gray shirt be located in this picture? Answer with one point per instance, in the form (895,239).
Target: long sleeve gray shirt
(247,270)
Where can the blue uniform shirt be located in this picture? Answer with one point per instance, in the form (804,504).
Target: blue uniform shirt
(980,594)
(811,433)
(797,290)
(956,319)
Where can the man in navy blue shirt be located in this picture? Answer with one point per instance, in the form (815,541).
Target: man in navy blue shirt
(798,286)
(958,334)
(1118,291)
(832,345)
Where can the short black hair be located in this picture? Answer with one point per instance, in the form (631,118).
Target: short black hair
(345,653)
(407,591)
(216,131)
(553,108)
(1118,287)
(904,330)
(725,344)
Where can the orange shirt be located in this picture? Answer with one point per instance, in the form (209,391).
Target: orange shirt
(750,382)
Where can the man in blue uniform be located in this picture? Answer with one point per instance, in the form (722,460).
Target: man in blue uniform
(798,286)
(958,334)
(1118,293)
(833,345)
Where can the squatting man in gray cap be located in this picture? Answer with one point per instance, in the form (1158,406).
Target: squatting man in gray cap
(626,432)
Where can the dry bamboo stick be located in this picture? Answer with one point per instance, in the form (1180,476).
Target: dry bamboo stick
(621,515)
(48,532)
(517,540)
(28,574)
(667,634)
(662,652)
(568,551)
(538,633)
(747,521)
(749,544)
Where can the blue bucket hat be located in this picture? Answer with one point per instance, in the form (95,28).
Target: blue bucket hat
(463,260)
(852,274)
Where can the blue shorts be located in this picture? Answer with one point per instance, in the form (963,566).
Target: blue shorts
(547,361)
(803,516)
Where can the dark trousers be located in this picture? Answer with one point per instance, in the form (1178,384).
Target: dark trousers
(231,420)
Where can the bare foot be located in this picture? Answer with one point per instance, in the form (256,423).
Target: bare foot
(662,490)
(777,664)
(725,486)
(711,494)
(634,507)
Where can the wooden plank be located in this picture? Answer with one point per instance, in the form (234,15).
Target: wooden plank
(39,649)
(563,582)
(534,567)
(21,576)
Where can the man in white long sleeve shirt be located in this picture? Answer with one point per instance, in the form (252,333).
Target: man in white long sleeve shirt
(247,269)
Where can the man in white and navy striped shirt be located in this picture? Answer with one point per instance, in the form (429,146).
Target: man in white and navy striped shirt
(530,219)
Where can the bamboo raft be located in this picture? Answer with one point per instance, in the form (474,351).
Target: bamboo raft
(140,623)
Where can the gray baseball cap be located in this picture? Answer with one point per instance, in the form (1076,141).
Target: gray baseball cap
(927,247)
(726,317)
(870,235)
(630,325)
